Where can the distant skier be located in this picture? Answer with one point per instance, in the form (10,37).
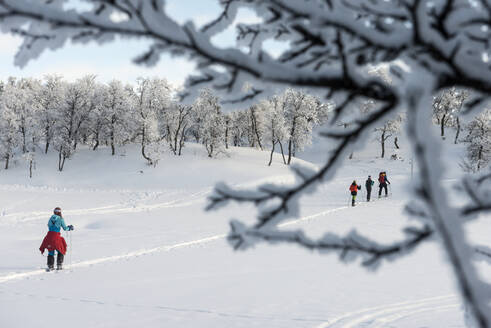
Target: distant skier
(368,185)
(383,181)
(354,190)
(54,241)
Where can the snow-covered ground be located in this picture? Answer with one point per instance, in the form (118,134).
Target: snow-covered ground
(144,253)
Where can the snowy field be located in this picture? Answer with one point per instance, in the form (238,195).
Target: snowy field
(145,254)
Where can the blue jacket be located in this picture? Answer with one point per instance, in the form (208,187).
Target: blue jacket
(56,222)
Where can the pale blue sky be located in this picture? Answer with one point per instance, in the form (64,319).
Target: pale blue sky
(113,60)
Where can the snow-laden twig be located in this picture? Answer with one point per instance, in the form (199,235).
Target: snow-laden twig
(350,247)
(483,253)
(478,189)
(447,223)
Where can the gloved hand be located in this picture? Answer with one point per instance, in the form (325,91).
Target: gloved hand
(70,227)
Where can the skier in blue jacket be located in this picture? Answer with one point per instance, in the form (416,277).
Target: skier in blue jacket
(53,240)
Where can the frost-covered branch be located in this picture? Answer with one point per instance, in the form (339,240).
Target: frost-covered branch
(446,221)
(348,248)
(478,189)
(483,253)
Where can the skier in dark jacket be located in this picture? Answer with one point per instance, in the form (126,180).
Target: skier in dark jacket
(383,181)
(368,185)
(54,241)
(354,190)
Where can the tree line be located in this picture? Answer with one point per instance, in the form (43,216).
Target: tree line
(39,115)
(52,114)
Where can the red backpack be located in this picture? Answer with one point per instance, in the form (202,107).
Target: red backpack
(381,178)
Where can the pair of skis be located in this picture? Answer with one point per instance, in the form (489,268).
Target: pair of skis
(53,269)
(371,199)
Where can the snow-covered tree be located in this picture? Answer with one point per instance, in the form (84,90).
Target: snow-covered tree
(20,97)
(229,121)
(111,118)
(389,129)
(26,109)
(30,158)
(478,139)
(464,95)
(50,98)
(9,122)
(211,124)
(256,126)
(429,45)
(153,98)
(446,107)
(276,130)
(73,116)
(239,127)
(301,113)
(177,121)
(96,127)
(121,114)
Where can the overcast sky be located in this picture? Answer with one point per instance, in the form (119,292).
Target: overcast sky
(113,60)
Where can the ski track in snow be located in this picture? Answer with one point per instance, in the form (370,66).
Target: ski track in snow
(130,205)
(184,311)
(164,248)
(380,316)
(371,317)
(112,209)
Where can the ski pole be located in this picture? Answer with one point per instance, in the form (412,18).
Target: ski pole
(70,237)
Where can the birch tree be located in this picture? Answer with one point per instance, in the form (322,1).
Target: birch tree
(153,96)
(478,139)
(389,129)
(446,107)
(9,122)
(50,98)
(276,128)
(118,114)
(211,124)
(300,112)
(178,121)
(73,116)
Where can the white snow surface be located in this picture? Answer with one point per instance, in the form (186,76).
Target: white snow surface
(144,253)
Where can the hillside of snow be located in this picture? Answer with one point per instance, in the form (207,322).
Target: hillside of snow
(145,253)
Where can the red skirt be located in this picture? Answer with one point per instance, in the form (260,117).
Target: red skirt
(53,241)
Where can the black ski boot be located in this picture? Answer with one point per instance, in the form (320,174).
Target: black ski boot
(353,202)
(59,261)
(51,262)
